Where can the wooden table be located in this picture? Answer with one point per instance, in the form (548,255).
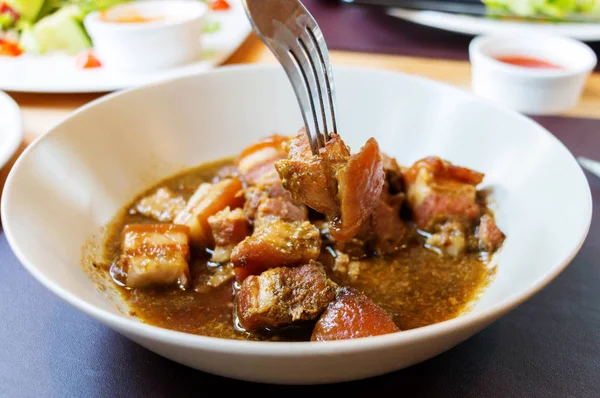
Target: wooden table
(42,111)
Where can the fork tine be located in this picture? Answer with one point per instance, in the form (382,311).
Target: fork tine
(302,52)
(325,75)
(318,80)
(294,62)
(294,37)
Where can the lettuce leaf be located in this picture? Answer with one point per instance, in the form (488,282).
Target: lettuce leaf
(88,6)
(553,9)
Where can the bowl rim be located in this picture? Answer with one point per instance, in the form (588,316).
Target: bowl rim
(133,327)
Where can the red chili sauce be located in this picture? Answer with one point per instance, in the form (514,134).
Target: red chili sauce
(527,62)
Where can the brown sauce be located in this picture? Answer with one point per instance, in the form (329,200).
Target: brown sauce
(417,286)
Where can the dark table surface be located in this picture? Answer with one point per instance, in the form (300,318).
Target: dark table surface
(369,29)
(547,347)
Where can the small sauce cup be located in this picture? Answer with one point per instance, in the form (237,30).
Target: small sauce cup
(536,75)
(147,35)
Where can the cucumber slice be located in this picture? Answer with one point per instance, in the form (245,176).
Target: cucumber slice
(28,42)
(61,31)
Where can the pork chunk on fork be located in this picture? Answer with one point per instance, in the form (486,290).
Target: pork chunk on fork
(342,186)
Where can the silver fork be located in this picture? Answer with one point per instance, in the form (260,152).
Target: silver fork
(292,34)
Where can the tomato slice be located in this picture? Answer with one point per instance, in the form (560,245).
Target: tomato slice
(87,60)
(10,48)
(219,5)
(6,9)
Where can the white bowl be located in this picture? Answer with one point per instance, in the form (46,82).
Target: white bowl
(71,182)
(531,90)
(148,46)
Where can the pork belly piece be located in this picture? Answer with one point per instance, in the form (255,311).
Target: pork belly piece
(394,177)
(342,186)
(228,229)
(265,203)
(451,238)
(221,275)
(254,194)
(387,231)
(155,255)
(438,191)
(350,316)
(384,232)
(256,163)
(283,296)
(356,248)
(343,265)
(205,202)
(226,172)
(163,205)
(276,244)
(279,208)
(489,235)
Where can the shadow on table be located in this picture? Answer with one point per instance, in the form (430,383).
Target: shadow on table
(117,365)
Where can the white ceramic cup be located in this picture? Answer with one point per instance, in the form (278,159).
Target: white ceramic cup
(534,91)
(172,40)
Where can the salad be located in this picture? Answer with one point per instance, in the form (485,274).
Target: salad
(557,10)
(48,26)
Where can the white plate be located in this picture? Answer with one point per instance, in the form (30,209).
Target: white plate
(74,179)
(57,73)
(473,25)
(11,131)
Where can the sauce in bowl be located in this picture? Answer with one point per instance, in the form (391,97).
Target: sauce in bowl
(527,62)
